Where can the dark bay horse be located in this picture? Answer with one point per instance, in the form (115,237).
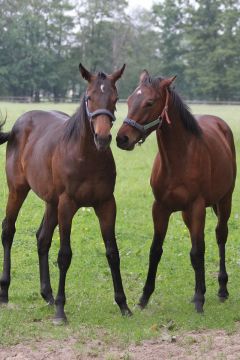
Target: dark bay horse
(195,167)
(68,163)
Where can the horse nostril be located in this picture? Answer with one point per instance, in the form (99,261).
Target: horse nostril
(103,141)
(122,140)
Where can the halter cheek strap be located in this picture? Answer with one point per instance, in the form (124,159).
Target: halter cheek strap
(143,128)
(98,111)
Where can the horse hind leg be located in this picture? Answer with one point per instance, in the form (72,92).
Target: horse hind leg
(44,239)
(14,203)
(223,214)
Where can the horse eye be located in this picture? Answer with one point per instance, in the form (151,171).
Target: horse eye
(150,103)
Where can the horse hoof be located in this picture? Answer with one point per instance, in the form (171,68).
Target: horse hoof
(50,301)
(48,298)
(126,312)
(59,321)
(223,296)
(142,303)
(3,300)
(199,307)
(222,299)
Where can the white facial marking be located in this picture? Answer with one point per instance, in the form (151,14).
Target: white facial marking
(139,92)
(102,88)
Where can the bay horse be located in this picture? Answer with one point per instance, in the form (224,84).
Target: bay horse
(195,168)
(68,163)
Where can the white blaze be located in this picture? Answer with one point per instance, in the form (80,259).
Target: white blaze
(102,88)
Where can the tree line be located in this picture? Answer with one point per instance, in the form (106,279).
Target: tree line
(42,43)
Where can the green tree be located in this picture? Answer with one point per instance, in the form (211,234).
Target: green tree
(168,19)
(212,48)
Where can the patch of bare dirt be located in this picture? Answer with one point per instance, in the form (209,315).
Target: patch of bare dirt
(209,345)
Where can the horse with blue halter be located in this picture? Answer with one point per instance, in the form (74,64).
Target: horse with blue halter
(68,163)
(195,167)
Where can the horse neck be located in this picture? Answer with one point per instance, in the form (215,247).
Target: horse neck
(86,143)
(173,141)
(83,143)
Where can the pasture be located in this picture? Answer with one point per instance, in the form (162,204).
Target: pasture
(90,307)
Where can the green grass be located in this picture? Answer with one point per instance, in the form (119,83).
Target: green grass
(90,307)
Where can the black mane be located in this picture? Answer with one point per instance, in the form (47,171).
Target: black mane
(76,125)
(187,118)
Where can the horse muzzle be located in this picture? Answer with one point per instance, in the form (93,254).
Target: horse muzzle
(124,143)
(102,142)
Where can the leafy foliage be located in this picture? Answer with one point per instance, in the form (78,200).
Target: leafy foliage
(41,44)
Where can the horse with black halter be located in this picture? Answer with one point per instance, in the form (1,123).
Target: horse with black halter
(68,163)
(195,167)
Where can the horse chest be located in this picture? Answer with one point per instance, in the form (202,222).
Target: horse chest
(87,189)
(175,195)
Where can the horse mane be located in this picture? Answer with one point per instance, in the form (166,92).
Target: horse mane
(187,118)
(76,125)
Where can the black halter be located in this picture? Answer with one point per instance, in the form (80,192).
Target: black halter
(143,128)
(98,111)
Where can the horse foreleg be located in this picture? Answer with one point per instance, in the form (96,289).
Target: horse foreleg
(223,214)
(106,213)
(160,222)
(44,239)
(15,201)
(66,210)
(195,220)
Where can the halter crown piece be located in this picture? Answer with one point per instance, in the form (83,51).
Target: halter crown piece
(143,128)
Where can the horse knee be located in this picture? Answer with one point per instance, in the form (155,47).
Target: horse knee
(197,256)
(112,255)
(8,231)
(156,250)
(221,233)
(64,258)
(43,245)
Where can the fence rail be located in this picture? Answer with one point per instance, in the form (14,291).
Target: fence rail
(28,99)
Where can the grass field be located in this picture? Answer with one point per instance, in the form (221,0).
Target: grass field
(90,307)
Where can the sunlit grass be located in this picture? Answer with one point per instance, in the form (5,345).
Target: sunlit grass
(90,306)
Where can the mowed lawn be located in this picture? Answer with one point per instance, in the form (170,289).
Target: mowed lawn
(90,306)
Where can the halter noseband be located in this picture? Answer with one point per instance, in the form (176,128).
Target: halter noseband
(97,112)
(143,128)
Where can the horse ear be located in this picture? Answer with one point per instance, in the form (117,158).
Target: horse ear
(144,75)
(118,73)
(85,73)
(168,81)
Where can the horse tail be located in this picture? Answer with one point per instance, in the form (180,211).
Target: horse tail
(4,136)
